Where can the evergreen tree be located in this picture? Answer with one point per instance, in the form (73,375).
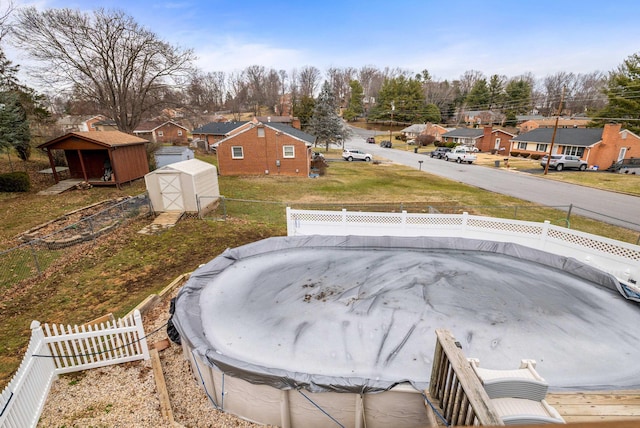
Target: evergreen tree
(303,110)
(400,99)
(518,96)
(479,96)
(622,92)
(496,91)
(355,108)
(432,114)
(325,124)
(14,127)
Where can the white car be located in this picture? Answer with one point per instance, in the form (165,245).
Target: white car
(353,154)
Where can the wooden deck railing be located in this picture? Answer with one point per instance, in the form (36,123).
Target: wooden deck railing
(462,398)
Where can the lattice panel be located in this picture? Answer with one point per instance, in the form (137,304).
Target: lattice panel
(368,219)
(505,226)
(605,247)
(435,221)
(315,217)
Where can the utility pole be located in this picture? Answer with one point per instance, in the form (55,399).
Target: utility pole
(555,129)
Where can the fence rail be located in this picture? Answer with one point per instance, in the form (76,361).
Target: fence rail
(51,352)
(615,257)
(38,253)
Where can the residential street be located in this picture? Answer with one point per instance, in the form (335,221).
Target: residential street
(610,207)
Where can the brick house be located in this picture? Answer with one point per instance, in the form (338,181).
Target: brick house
(548,122)
(601,147)
(72,123)
(470,137)
(266,149)
(214,132)
(495,139)
(163,132)
(436,131)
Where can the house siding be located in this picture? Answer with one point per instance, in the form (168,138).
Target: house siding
(614,139)
(488,140)
(261,153)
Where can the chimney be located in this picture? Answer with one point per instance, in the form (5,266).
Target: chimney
(611,133)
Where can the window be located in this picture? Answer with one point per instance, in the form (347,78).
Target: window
(541,147)
(522,146)
(288,152)
(260,132)
(575,151)
(237,152)
(179,132)
(160,134)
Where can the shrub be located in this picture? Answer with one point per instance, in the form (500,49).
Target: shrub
(525,155)
(450,144)
(514,153)
(14,182)
(536,156)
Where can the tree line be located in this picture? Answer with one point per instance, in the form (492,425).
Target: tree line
(104,62)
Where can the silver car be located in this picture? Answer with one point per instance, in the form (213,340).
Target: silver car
(560,162)
(351,154)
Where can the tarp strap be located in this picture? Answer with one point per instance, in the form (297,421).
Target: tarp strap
(322,410)
(204,385)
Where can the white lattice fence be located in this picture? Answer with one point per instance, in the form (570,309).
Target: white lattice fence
(63,349)
(617,258)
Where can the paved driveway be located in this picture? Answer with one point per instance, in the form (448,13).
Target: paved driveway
(610,207)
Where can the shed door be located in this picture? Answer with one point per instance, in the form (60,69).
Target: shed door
(171,192)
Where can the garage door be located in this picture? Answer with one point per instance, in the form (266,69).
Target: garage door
(171,192)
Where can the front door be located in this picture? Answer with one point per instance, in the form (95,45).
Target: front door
(622,154)
(171,192)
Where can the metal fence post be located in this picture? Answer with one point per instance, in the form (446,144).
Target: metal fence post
(34,253)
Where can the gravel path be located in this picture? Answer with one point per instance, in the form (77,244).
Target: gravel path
(125,395)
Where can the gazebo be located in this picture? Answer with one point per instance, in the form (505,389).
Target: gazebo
(100,158)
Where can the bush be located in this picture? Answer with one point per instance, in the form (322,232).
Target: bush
(14,182)
(450,144)
(515,154)
(536,156)
(525,155)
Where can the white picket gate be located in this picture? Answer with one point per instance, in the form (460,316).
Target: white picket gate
(58,349)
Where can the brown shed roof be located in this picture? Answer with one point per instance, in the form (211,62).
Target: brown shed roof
(103,138)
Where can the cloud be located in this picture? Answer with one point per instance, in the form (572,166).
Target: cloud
(235,55)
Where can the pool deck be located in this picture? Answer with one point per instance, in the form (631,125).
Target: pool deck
(605,406)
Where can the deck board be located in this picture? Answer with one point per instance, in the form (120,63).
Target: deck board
(596,406)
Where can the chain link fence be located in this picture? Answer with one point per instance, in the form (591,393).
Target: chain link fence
(41,249)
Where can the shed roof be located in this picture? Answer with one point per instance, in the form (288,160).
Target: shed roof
(581,137)
(218,128)
(191,166)
(102,138)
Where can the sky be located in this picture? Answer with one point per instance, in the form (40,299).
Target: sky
(446,38)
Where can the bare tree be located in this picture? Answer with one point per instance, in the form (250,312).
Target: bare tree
(5,13)
(105,56)
(339,79)
(309,80)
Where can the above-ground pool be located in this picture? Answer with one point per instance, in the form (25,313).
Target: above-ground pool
(357,314)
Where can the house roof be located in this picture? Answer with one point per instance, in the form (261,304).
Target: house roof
(152,125)
(102,138)
(415,128)
(276,119)
(581,137)
(218,128)
(294,132)
(465,133)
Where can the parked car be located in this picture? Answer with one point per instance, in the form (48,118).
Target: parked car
(353,154)
(386,144)
(461,154)
(560,162)
(439,152)
(371,140)
(411,142)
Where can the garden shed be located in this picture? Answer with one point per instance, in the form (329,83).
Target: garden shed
(166,155)
(186,186)
(100,158)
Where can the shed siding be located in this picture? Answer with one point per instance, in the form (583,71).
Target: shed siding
(129,162)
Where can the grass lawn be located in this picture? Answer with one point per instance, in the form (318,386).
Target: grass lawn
(120,269)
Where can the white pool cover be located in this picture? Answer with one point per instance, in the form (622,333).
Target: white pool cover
(358,314)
